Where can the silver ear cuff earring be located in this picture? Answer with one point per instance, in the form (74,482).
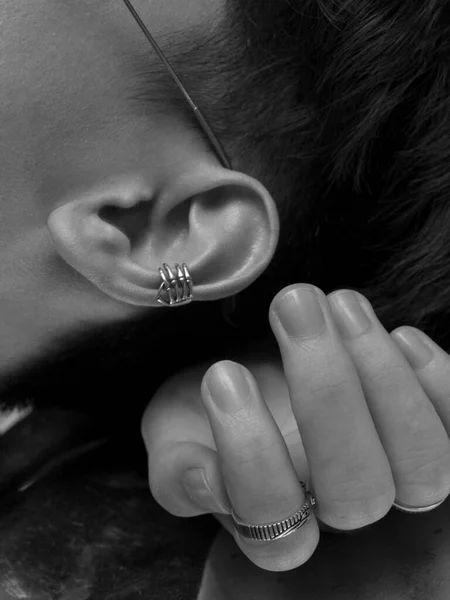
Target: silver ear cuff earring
(176,287)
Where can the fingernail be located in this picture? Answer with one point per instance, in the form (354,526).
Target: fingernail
(416,351)
(227,387)
(199,491)
(349,315)
(300,313)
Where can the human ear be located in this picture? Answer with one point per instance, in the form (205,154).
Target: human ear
(223,224)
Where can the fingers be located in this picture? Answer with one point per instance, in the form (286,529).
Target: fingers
(181,451)
(412,433)
(364,412)
(350,471)
(260,480)
(431,365)
(337,375)
(222,451)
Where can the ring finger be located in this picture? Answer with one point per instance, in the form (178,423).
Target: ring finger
(412,433)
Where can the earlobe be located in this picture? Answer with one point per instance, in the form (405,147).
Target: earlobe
(222,224)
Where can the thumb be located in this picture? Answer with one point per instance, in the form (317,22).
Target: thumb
(183,466)
(185,480)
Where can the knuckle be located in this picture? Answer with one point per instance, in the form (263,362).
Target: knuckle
(359,512)
(159,494)
(158,487)
(163,489)
(169,500)
(257,448)
(166,471)
(392,377)
(256,445)
(325,389)
(427,480)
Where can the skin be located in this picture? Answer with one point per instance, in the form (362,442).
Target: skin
(354,415)
(91,187)
(96,195)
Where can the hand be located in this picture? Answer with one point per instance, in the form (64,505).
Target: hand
(350,411)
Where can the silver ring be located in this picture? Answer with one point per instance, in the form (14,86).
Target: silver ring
(176,288)
(279,529)
(416,509)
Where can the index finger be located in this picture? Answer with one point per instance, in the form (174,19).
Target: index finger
(260,478)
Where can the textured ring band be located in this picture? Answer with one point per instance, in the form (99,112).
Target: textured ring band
(279,529)
(416,509)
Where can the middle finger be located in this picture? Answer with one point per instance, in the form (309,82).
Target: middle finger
(350,471)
